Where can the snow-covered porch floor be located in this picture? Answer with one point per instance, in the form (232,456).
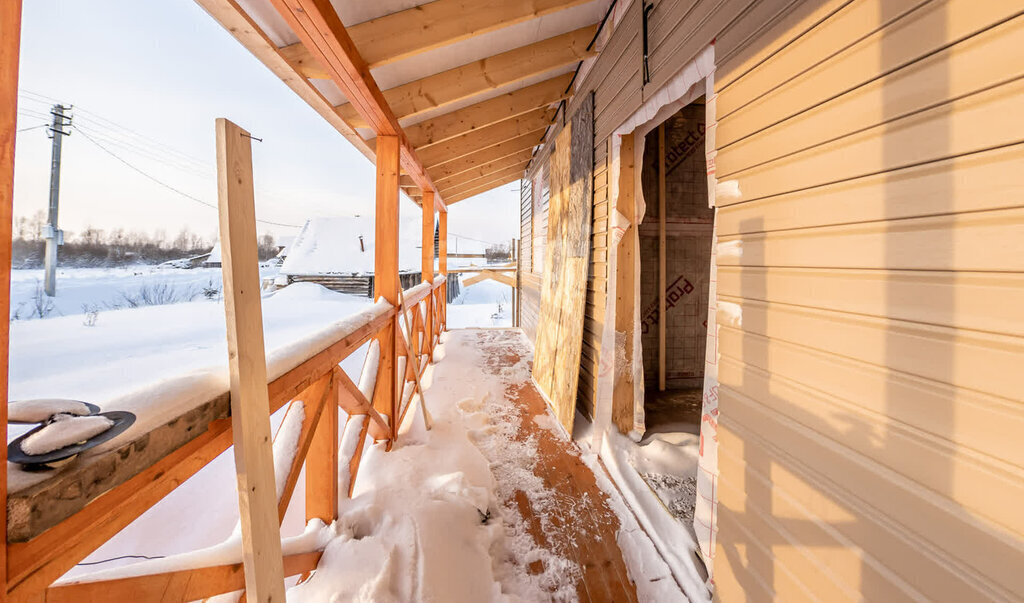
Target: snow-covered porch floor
(539,470)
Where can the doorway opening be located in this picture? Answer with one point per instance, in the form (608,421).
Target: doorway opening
(675,239)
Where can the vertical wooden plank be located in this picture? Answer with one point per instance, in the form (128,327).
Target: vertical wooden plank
(661,258)
(250,404)
(625,289)
(442,254)
(428,264)
(385,278)
(322,460)
(10,41)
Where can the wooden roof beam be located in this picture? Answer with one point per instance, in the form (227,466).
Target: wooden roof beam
(477,140)
(432,25)
(484,188)
(469,185)
(490,111)
(480,76)
(245,30)
(482,171)
(526,142)
(320,29)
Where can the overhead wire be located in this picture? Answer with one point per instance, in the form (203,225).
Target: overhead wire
(164,184)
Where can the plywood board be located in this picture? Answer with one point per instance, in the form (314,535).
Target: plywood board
(563,292)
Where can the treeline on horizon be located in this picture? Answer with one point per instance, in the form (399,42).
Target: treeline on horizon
(96,248)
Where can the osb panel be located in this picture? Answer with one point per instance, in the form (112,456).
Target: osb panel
(563,294)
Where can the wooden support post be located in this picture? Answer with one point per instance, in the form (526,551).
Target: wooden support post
(442,262)
(250,403)
(623,401)
(385,280)
(10,44)
(662,278)
(322,461)
(428,265)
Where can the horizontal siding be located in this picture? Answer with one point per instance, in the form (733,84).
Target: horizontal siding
(870,280)
(597,280)
(529,305)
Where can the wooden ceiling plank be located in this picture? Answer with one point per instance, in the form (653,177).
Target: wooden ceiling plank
(488,168)
(481,76)
(488,112)
(526,142)
(443,22)
(477,140)
(483,189)
(469,185)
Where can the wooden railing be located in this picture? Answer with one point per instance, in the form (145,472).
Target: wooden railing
(400,332)
(322,387)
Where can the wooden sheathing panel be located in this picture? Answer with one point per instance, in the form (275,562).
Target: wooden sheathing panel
(484,75)
(556,365)
(597,269)
(869,279)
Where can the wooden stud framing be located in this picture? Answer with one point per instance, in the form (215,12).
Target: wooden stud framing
(438,90)
(250,404)
(385,281)
(467,144)
(625,287)
(490,111)
(662,280)
(518,145)
(10,46)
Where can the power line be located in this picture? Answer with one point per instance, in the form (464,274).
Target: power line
(164,184)
(31,128)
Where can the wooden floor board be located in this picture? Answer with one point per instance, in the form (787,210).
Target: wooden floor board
(586,526)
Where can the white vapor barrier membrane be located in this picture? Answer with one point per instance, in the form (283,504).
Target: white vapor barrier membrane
(695,80)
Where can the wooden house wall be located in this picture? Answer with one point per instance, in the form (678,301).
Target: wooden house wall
(870,401)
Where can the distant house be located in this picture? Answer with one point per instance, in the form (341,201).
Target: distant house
(338,253)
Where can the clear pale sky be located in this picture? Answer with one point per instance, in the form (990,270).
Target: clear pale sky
(147,80)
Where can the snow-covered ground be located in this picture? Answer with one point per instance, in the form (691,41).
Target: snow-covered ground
(484,304)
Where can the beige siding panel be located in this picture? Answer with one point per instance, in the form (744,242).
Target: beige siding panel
(763,31)
(846,532)
(981,241)
(688,32)
(529,304)
(911,38)
(964,69)
(986,426)
(983,362)
(984,181)
(966,125)
(981,301)
(953,557)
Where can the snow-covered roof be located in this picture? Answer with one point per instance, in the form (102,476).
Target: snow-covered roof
(327,246)
(214,253)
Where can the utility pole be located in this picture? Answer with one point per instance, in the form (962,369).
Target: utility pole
(53,235)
